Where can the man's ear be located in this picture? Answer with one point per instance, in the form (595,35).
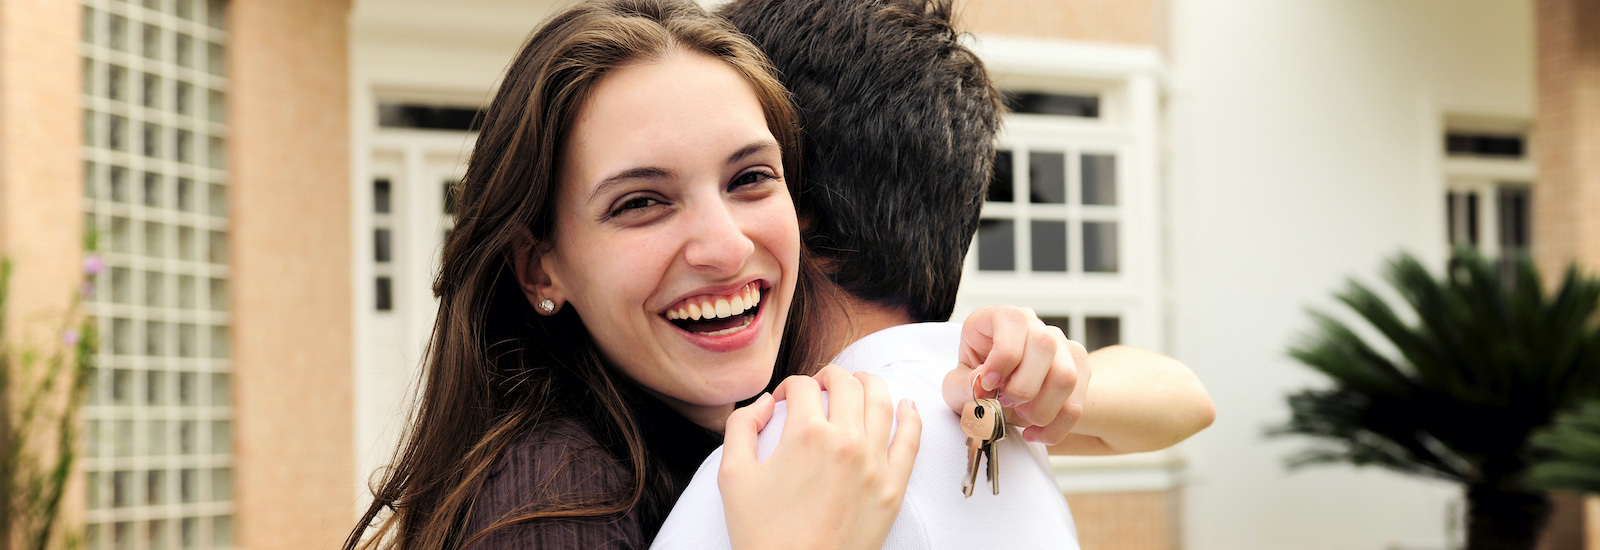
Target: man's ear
(533,276)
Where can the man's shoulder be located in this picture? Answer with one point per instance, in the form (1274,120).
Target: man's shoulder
(913,346)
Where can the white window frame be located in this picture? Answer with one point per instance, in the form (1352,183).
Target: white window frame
(1128,80)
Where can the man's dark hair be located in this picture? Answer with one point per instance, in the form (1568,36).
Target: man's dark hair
(899,121)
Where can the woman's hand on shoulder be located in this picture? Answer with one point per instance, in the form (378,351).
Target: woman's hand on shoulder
(838,476)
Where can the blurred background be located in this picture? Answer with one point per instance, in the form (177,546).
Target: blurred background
(269,183)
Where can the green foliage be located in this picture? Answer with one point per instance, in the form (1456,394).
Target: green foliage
(40,399)
(1572,446)
(1473,363)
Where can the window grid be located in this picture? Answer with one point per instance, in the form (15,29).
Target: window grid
(1085,211)
(158,424)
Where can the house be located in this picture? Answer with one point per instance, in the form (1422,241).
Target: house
(270,182)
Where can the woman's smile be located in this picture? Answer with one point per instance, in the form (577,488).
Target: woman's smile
(720,321)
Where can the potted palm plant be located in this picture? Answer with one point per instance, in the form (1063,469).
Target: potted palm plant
(1469,366)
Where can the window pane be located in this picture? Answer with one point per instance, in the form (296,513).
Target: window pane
(183,98)
(1049,245)
(380,246)
(1047,177)
(383,291)
(154,284)
(1484,145)
(217,200)
(117,133)
(1514,224)
(1099,179)
(450,197)
(1100,332)
(117,83)
(1100,247)
(151,90)
(380,196)
(152,140)
(185,50)
(152,189)
(118,32)
(155,339)
(1001,184)
(1038,103)
(996,245)
(152,42)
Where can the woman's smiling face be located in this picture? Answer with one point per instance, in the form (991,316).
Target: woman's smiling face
(675,238)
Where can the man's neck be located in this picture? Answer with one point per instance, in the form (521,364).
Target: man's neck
(857,318)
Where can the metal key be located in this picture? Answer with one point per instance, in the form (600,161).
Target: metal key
(983,420)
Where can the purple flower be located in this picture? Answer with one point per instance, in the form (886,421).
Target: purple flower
(93,265)
(70,337)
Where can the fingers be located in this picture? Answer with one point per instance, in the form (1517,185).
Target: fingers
(878,410)
(907,439)
(740,434)
(1030,373)
(999,336)
(1058,377)
(804,397)
(1067,416)
(844,397)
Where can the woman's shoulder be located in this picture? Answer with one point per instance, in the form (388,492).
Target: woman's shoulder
(556,464)
(558,456)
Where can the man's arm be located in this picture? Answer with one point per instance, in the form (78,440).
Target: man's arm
(1136,400)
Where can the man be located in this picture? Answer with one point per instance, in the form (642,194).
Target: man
(899,121)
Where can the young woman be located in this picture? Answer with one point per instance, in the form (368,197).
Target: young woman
(633,165)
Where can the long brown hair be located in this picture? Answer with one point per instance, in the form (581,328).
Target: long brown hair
(494,368)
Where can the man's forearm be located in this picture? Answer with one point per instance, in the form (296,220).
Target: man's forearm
(1138,400)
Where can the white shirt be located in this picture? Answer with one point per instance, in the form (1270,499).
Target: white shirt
(912,360)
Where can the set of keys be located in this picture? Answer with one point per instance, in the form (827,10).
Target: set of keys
(984,422)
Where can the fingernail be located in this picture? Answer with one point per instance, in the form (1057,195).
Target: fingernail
(913,405)
(1006,401)
(1029,438)
(991,380)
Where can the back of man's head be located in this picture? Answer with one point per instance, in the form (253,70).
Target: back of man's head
(899,121)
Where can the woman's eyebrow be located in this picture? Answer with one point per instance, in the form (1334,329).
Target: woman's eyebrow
(751,149)
(643,172)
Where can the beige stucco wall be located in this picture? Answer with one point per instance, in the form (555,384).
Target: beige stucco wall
(1566,209)
(1140,22)
(1567,135)
(41,210)
(41,175)
(289,164)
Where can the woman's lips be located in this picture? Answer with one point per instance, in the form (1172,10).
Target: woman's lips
(724,323)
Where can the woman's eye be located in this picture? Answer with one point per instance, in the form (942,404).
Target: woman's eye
(751,178)
(635,203)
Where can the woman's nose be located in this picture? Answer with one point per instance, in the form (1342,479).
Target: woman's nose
(717,241)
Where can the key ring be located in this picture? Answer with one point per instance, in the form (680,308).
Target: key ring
(976,383)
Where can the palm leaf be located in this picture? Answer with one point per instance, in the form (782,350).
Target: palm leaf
(1572,447)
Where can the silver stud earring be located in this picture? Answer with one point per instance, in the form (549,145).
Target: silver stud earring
(547,306)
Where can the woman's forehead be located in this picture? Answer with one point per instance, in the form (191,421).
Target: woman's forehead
(683,109)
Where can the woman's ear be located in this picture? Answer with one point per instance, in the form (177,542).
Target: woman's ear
(538,284)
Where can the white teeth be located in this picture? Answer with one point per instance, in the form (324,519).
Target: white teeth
(743,300)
